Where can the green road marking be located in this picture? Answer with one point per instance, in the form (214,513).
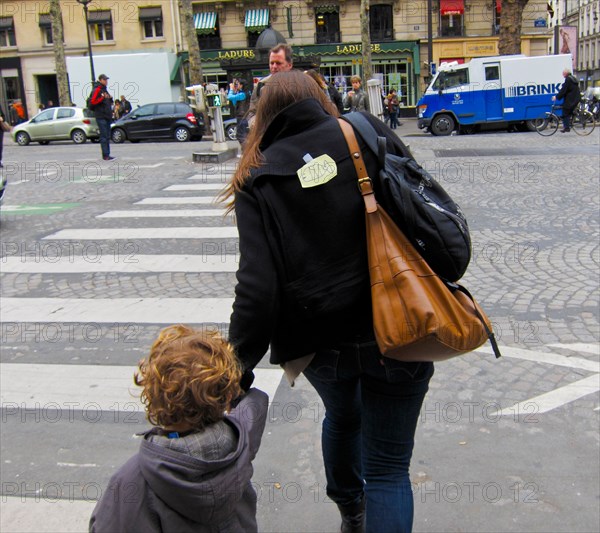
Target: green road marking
(39,209)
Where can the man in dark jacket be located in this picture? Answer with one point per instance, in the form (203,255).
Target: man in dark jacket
(571,95)
(102,102)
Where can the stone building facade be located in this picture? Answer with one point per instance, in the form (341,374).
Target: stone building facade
(129,35)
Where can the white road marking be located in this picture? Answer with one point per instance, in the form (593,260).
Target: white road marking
(164,213)
(59,390)
(79,465)
(98,234)
(562,395)
(555,398)
(117,310)
(196,187)
(207,186)
(211,261)
(155,165)
(544,357)
(175,201)
(579,347)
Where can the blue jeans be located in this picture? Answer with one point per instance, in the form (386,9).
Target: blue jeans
(372,405)
(104,127)
(394,120)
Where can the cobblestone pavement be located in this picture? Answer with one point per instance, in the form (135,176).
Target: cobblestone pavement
(507,445)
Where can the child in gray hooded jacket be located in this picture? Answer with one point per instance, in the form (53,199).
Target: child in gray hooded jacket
(193,469)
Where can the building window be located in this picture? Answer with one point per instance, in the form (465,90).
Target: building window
(151,21)
(451,18)
(381,22)
(46,27)
(255,22)
(207,30)
(100,25)
(7,32)
(327,21)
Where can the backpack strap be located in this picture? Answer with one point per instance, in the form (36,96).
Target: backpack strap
(365,130)
(378,146)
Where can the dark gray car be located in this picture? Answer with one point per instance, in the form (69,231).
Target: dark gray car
(168,120)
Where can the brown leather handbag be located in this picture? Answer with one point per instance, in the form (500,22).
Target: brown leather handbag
(416,315)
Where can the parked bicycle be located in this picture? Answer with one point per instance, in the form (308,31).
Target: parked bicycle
(591,96)
(582,122)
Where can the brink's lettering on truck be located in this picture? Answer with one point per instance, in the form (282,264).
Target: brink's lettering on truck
(520,90)
(491,93)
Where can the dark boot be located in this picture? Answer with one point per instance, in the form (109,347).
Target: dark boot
(353,517)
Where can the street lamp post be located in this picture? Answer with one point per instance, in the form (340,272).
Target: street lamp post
(85,3)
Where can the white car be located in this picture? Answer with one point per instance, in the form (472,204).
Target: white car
(57,124)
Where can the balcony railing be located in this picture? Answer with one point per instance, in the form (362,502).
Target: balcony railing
(382,35)
(209,42)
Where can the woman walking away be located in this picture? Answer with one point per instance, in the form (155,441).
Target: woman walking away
(303,287)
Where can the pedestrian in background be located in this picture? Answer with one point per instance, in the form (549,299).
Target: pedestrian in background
(117,110)
(102,103)
(3,124)
(281,59)
(569,92)
(19,111)
(356,99)
(303,288)
(392,106)
(193,469)
(239,99)
(125,106)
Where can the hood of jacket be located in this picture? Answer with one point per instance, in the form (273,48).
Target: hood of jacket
(203,490)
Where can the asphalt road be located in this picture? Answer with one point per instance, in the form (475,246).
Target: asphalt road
(96,257)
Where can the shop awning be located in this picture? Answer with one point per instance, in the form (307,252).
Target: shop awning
(6,23)
(205,23)
(327,8)
(498,6)
(150,13)
(100,16)
(452,7)
(256,19)
(45,20)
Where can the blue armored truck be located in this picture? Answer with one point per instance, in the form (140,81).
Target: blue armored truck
(491,93)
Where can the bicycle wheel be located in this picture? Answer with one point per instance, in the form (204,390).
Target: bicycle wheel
(583,123)
(546,124)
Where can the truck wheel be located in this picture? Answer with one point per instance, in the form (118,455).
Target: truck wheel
(530,125)
(442,125)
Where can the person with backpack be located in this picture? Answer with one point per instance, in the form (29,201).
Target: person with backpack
(238,96)
(303,288)
(571,95)
(101,103)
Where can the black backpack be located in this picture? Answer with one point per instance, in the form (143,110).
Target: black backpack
(88,102)
(419,205)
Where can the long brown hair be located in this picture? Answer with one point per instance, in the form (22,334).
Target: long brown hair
(281,90)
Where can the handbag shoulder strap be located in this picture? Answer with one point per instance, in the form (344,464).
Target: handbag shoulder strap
(366,131)
(365,184)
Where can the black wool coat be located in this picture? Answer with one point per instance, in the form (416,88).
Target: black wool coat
(303,280)
(570,92)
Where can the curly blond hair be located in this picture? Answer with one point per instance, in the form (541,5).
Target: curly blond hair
(189,379)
